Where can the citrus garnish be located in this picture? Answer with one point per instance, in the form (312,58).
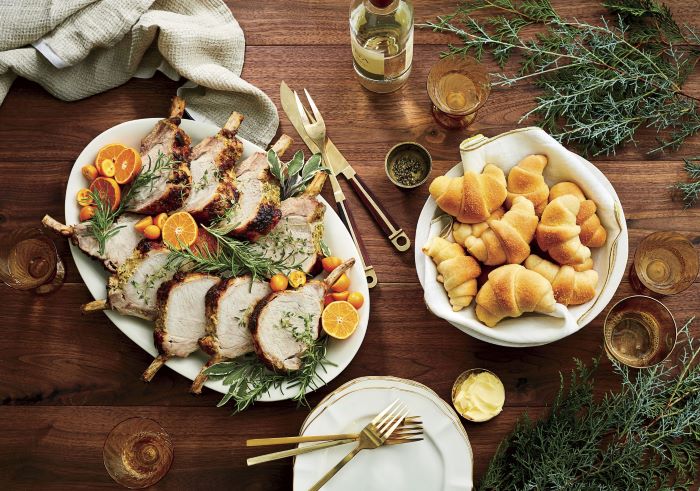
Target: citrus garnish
(340,319)
(180,230)
(127,166)
(107,190)
(108,152)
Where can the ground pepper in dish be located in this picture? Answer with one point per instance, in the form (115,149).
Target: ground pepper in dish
(408,170)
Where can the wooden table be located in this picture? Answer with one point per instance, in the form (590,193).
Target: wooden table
(68,379)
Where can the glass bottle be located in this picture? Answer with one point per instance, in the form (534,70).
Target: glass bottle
(381,33)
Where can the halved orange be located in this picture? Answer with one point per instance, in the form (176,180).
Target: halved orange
(127,165)
(108,191)
(180,230)
(160,219)
(340,319)
(108,152)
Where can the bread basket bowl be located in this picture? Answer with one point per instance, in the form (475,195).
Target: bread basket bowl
(505,151)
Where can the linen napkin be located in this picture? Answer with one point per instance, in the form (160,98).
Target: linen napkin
(77,48)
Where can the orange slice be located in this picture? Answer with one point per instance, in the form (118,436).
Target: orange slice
(180,230)
(160,220)
(108,191)
(127,166)
(340,319)
(108,152)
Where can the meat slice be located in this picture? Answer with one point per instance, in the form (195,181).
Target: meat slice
(228,309)
(167,144)
(257,209)
(132,289)
(181,320)
(284,323)
(213,179)
(296,240)
(117,248)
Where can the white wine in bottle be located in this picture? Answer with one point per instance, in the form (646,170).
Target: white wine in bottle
(381,33)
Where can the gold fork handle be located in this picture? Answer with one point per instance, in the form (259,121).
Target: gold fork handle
(257,442)
(296,451)
(328,475)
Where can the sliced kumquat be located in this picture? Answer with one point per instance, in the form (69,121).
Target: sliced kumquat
(180,230)
(86,213)
(127,166)
(159,220)
(356,299)
(151,232)
(89,172)
(340,295)
(141,225)
(108,191)
(330,263)
(342,284)
(106,168)
(84,197)
(297,279)
(340,319)
(108,152)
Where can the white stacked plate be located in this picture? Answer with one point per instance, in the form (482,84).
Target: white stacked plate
(505,151)
(443,461)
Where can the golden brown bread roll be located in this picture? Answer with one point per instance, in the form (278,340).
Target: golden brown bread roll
(570,286)
(593,234)
(460,231)
(472,197)
(558,234)
(525,179)
(510,291)
(456,271)
(506,240)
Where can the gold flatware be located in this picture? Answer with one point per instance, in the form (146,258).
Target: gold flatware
(340,165)
(372,436)
(316,130)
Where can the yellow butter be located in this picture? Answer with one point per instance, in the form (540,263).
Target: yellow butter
(480,396)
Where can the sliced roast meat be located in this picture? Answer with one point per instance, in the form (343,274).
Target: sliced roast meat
(284,324)
(167,149)
(296,240)
(118,247)
(181,319)
(229,306)
(213,178)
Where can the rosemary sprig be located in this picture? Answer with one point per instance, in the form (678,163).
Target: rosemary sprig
(645,436)
(248,379)
(690,190)
(600,83)
(102,226)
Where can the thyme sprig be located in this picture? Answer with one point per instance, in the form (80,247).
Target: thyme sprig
(690,190)
(230,258)
(645,436)
(600,83)
(248,379)
(102,226)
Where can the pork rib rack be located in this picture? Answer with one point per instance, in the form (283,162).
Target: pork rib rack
(257,209)
(117,248)
(284,323)
(171,185)
(213,179)
(180,320)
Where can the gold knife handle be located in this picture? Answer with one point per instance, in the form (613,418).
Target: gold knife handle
(258,442)
(390,228)
(295,451)
(346,216)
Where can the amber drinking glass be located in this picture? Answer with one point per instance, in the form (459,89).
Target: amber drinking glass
(137,453)
(29,261)
(665,263)
(639,331)
(458,86)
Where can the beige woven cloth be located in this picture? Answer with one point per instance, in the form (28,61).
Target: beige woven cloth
(77,48)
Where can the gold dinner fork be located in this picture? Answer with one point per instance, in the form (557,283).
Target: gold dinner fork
(372,436)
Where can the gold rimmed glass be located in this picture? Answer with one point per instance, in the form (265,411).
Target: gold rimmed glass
(29,261)
(137,453)
(665,263)
(639,331)
(458,86)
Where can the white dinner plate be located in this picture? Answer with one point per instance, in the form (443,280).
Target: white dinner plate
(443,461)
(140,331)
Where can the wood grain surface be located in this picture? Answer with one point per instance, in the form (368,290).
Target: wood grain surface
(68,379)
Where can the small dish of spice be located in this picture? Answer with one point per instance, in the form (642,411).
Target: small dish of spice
(408,165)
(478,395)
